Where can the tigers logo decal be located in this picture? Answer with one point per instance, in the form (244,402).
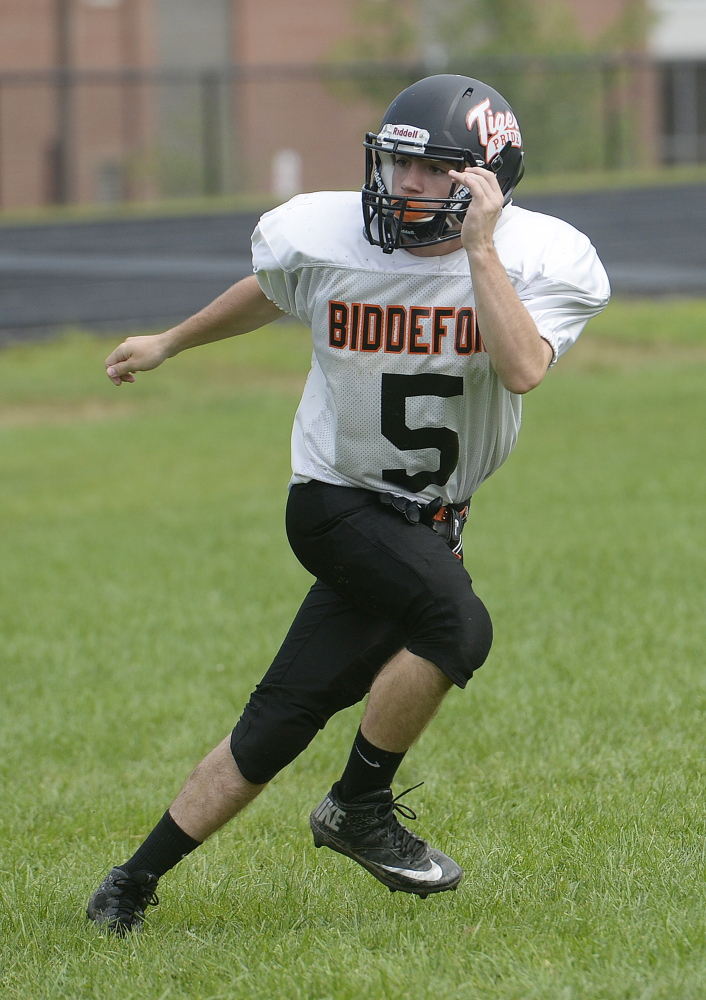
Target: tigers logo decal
(494,131)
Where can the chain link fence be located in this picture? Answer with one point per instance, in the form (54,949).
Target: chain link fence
(115,135)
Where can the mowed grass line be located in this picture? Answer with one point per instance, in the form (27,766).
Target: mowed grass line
(145,584)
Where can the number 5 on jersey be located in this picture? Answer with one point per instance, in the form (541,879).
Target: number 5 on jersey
(396,389)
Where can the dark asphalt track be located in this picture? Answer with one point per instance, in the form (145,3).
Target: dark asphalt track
(150,272)
(651,240)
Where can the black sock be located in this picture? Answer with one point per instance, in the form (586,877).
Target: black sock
(368,769)
(163,848)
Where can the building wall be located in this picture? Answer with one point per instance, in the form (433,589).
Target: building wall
(595,17)
(194,34)
(293,126)
(27,35)
(102,33)
(678,41)
(274,126)
(60,143)
(282,32)
(136,140)
(113,122)
(27,41)
(679,29)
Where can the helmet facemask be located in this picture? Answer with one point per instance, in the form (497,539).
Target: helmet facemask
(394,221)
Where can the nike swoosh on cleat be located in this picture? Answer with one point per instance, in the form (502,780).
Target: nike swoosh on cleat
(433,875)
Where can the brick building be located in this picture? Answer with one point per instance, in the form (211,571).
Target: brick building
(679,44)
(56,140)
(103,100)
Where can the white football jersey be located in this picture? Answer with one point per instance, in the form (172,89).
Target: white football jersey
(401,396)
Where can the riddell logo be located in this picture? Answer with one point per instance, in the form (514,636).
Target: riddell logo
(402,131)
(407,135)
(494,131)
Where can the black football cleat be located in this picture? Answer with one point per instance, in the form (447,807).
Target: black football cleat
(119,902)
(368,831)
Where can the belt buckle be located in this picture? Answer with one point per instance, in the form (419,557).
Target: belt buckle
(453,521)
(442,513)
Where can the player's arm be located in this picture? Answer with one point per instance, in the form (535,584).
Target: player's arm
(517,352)
(242,308)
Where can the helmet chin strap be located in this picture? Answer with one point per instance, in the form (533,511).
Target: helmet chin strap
(419,232)
(439,229)
(460,193)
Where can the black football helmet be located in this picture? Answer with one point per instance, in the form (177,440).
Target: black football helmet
(444,117)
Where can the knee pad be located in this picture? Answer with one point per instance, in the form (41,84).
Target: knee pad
(263,744)
(477,640)
(280,721)
(456,638)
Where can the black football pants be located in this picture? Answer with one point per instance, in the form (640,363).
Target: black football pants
(381,584)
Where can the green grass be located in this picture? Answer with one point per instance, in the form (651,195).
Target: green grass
(602,180)
(145,583)
(671,321)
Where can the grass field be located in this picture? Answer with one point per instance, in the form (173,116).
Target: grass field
(145,583)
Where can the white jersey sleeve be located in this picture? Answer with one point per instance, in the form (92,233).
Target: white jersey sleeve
(290,243)
(277,274)
(556,272)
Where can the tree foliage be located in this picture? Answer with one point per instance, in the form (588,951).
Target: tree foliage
(456,29)
(577,111)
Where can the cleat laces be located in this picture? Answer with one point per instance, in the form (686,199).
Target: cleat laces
(402,840)
(134,897)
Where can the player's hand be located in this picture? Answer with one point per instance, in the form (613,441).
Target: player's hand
(136,354)
(485,207)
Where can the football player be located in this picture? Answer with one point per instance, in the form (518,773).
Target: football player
(431,316)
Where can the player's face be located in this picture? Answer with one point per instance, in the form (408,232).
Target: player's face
(415,177)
